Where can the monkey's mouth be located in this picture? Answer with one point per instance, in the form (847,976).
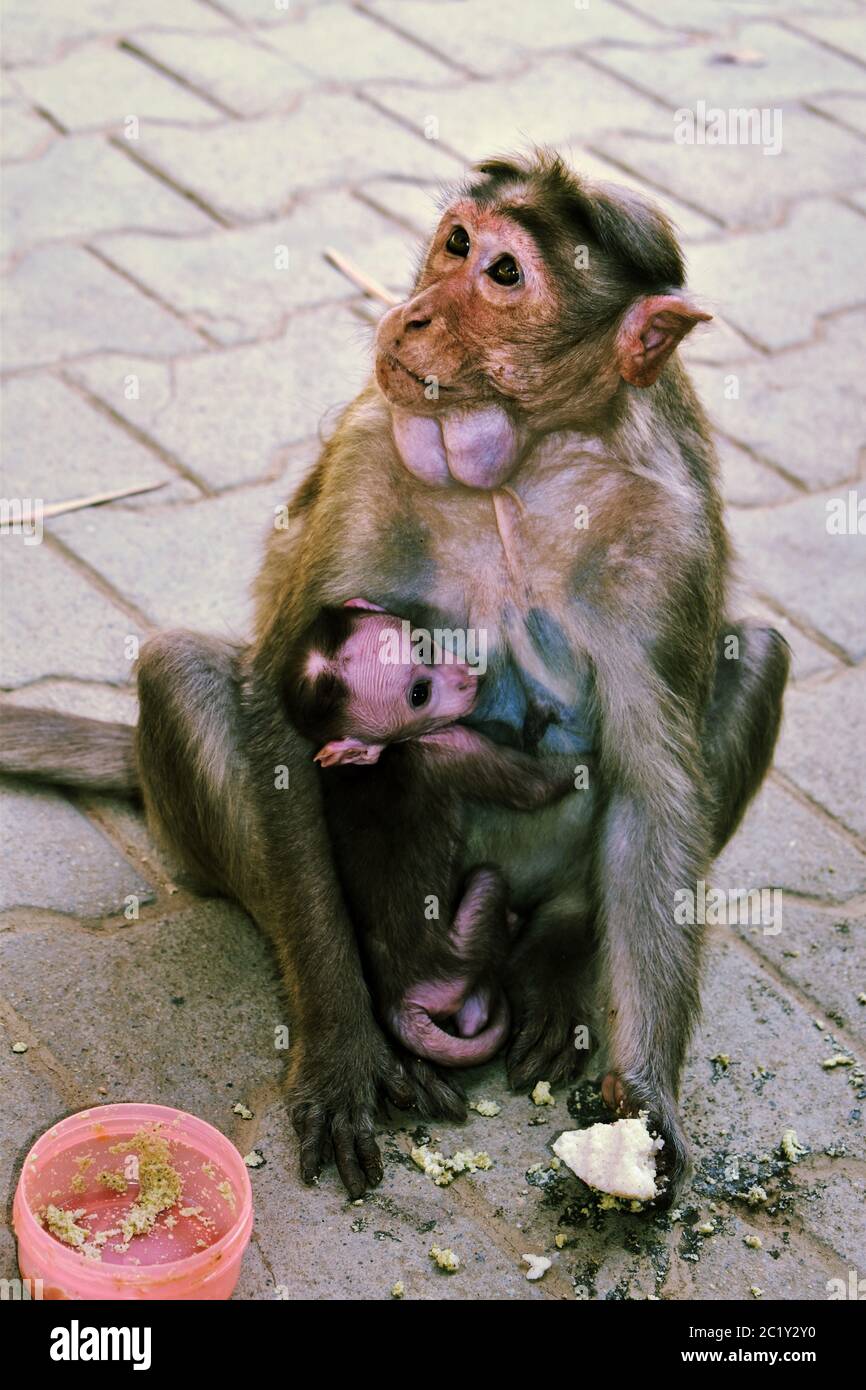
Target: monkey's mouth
(401,367)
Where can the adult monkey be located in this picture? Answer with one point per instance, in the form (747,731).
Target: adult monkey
(557,391)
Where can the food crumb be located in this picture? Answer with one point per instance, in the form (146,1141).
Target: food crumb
(722,1059)
(227,1192)
(753,1242)
(64,1225)
(755,1291)
(254,1159)
(839,1059)
(707,1228)
(617,1159)
(487,1108)
(791,1147)
(20,1047)
(444,1170)
(560,1240)
(159,1184)
(541,1094)
(113,1179)
(538,1266)
(445,1259)
(397,1290)
(240,1109)
(756,1195)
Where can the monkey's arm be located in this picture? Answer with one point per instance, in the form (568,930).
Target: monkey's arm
(477,768)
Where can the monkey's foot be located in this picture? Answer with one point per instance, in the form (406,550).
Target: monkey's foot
(673,1163)
(544,1046)
(335,1115)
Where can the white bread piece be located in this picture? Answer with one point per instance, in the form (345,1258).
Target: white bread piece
(619,1158)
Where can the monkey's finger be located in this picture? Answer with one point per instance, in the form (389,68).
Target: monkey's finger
(343,1136)
(371,1158)
(398,1088)
(312,1136)
(437,1098)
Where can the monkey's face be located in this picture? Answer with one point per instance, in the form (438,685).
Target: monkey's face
(470,332)
(393,696)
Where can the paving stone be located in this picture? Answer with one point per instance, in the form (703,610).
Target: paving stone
(176,1011)
(30,1106)
(820,952)
(32,33)
(227,415)
(754,1020)
(794,67)
(97,86)
(559,101)
(58,447)
(54,622)
(742,184)
(815,749)
(774,285)
(829,1218)
(189,566)
(253,170)
(722,15)
(61,302)
(337,44)
(493,36)
(790,408)
(746,483)
(237,71)
(716,341)
(814,576)
(228,284)
(415,204)
(849,110)
(842,32)
(44,200)
(783,844)
(23,134)
(54,858)
(320,1246)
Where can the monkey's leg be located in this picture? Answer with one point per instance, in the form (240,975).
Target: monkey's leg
(551,978)
(212,754)
(742,721)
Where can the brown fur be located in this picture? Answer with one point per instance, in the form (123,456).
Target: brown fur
(609,637)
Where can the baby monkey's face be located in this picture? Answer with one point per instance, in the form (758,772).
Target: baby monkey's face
(393,696)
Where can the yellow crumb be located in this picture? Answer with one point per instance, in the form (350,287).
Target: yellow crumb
(541,1094)
(445,1259)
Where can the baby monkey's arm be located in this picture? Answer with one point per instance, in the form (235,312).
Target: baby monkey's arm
(478,768)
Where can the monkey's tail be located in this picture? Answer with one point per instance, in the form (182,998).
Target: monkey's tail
(423,1036)
(67,749)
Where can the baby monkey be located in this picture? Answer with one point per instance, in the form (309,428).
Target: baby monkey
(400,767)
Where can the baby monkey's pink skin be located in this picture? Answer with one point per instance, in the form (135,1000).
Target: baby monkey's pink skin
(403,827)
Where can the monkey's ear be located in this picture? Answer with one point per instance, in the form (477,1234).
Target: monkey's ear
(364,603)
(650,331)
(348,750)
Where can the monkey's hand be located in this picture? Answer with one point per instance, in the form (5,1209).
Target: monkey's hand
(673,1163)
(482,770)
(335,1109)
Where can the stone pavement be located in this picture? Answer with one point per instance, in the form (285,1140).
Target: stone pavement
(160,153)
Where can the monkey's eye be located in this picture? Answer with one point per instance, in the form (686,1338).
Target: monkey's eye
(505,271)
(419,693)
(458,243)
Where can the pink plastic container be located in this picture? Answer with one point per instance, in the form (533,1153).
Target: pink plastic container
(196,1254)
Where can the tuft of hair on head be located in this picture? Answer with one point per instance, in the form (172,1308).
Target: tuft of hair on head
(315,693)
(636,248)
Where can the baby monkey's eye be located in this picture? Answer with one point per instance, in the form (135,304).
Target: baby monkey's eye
(458,243)
(419,693)
(505,271)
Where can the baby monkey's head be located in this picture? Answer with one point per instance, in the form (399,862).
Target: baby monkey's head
(346,691)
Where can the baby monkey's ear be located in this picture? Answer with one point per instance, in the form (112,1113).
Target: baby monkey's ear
(364,603)
(348,750)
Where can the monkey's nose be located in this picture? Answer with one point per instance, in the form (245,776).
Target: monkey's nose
(418,324)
